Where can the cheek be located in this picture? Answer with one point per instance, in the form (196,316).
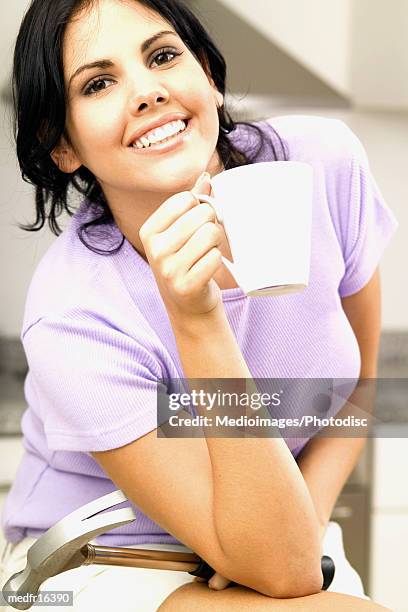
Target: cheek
(95,126)
(201,101)
(195,90)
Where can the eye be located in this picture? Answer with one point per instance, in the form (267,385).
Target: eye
(166,52)
(90,88)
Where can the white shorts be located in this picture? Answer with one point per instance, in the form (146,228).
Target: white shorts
(128,589)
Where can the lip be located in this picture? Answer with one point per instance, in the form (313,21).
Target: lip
(155,124)
(165,147)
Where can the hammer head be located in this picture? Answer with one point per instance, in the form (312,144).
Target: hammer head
(64,545)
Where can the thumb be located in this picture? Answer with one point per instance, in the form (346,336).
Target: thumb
(218,582)
(202,184)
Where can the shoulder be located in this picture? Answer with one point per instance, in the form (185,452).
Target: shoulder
(315,139)
(69,278)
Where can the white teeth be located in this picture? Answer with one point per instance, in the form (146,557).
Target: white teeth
(159,134)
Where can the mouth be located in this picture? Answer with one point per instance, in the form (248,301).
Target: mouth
(167,144)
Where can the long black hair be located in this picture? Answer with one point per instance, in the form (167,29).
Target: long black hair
(39,108)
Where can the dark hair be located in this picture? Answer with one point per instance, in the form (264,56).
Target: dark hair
(40,108)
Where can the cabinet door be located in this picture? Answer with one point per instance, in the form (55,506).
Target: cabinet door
(390,484)
(389,559)
(351,513)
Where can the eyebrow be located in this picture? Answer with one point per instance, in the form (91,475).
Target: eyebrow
(107,63)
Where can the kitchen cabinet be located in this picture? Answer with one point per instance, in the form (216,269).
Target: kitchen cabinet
(389,518)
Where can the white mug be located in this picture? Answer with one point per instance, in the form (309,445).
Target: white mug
(266,210)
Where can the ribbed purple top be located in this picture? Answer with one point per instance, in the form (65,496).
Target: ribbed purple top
(97,336)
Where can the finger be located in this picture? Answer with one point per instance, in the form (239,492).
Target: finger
(175,206)
(202,185)
(183,228)
(206,238)
(168,212)
(201,274)
(218,582)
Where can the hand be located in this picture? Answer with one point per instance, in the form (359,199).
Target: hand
(216,582)
(181,240)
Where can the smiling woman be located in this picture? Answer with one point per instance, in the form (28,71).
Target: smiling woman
(123,101)
(110,76)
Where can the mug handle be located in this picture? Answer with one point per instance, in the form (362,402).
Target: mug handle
(211,201)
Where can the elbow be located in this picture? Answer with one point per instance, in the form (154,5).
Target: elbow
(298,587)
(298,577)
(299,583)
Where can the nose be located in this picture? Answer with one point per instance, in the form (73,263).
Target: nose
(147,96)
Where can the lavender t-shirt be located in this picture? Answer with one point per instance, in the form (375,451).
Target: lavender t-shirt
(97,336)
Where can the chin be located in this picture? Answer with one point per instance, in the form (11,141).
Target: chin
(184,182)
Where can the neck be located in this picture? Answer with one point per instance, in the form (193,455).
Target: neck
(130,216)
(130,212)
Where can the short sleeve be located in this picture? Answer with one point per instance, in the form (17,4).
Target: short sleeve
(94,387)
(366,222)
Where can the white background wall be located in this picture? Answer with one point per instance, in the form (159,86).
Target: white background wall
(357,46)
(316,32)
(379,54)
(19,251)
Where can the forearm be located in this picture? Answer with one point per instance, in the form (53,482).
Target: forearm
(263,513)
(327,462)
(324,475)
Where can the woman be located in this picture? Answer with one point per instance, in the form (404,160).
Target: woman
(134,291)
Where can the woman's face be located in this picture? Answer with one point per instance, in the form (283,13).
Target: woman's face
(107,106)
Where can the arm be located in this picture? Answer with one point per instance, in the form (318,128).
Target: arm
(240,504)
(263,512)
(319,462)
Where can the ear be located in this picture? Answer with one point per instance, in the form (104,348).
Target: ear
(65,158)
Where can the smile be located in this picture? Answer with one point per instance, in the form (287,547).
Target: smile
(160,134)
(176,133)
